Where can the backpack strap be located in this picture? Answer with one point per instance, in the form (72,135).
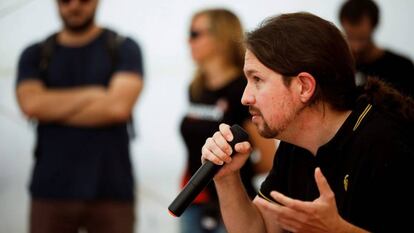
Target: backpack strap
(47,48)
(113,43)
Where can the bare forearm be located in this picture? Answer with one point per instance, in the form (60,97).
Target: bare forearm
(102,112)
(56,104)
(114,107)
(239,213)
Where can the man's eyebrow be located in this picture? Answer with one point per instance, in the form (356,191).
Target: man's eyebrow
(249,72)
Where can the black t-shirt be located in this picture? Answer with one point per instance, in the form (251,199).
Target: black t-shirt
(368,165)
(203,118)
(81,162)
(393,69)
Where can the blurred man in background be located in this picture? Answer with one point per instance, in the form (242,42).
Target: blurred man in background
(359,19)
(81,85)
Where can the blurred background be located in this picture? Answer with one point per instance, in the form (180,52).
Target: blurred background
(161,28)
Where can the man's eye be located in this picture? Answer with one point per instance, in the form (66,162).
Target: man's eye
(256,79)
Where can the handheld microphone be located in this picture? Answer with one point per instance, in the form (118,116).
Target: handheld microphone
(202,177)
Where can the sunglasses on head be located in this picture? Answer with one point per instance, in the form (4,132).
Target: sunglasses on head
(69,1)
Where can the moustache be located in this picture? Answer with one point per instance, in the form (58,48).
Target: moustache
(254,111)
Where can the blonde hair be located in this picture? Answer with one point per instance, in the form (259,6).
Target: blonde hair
(226,29)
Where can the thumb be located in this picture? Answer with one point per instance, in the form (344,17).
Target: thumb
(323,186)
(243,147)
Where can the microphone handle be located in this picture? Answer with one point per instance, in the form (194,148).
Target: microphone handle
(202,177)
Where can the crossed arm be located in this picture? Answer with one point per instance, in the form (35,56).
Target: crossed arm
(85,106)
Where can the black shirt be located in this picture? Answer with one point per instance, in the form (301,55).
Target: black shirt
(368,165)
(396,70)
(81,163)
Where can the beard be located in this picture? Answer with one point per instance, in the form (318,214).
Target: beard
(80,27)
(267,131)
(264,128)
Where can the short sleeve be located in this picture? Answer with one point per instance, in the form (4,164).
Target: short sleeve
(28,65)
(130,57)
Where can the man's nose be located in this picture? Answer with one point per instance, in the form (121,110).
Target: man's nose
(247,97)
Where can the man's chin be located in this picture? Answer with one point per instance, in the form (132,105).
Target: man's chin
(77,28)
(78,25)
(265,131)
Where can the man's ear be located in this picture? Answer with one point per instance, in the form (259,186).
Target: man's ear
(306,85)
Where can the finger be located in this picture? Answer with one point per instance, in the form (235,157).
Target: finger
(281,214)
(267,205)
(207,154)
(223,146)
(243,147)
(323,186)
(297,205)
(226,132)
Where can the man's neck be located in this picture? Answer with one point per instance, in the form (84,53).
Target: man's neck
(372,54)
(74,39)
(319,124)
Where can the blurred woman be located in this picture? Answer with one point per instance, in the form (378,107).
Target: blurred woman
(215,39)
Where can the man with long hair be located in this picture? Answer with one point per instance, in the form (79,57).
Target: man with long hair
(345,158)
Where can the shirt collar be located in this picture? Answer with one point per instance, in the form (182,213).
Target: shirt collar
(351,125)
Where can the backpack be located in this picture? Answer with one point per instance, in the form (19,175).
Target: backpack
(48,46)
(113,42)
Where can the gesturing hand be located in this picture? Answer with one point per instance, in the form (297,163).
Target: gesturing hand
(320,215)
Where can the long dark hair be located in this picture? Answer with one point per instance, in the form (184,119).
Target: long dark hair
(387,99)
(302,42)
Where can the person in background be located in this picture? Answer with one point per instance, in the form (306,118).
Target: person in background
(215,92)
(344,163)
(359,19)
(80,85)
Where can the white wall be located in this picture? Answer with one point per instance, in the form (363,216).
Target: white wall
(160,26)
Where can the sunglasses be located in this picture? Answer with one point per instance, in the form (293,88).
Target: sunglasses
(66,2)
(196,34)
